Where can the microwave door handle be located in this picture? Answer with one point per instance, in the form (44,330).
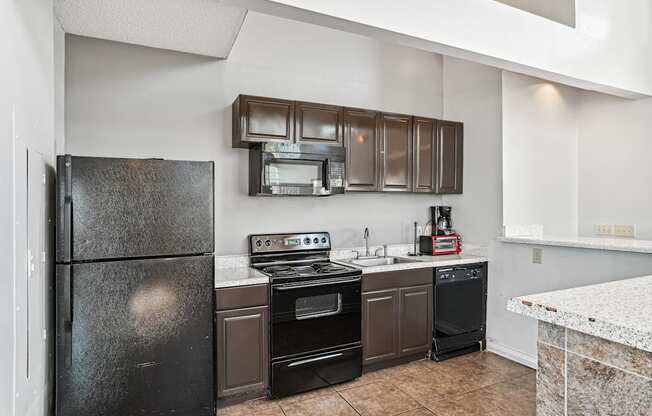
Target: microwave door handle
(327,179)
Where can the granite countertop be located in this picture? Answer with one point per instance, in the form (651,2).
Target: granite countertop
(596,243)
(421,262)
(618,311)
(233,270)
(239,276)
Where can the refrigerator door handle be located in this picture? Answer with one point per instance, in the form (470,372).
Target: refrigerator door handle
(67,315)
(64,209)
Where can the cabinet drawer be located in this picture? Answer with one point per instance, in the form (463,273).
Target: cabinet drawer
(241,297)
(396,279)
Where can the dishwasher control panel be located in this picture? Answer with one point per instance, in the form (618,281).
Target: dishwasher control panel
(458,273)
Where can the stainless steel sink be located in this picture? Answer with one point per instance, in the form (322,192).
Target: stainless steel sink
(379,261)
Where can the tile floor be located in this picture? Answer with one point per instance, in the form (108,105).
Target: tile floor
(479,384)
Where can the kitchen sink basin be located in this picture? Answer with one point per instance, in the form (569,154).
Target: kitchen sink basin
(380,261)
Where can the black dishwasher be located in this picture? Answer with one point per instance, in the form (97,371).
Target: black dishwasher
(460,310)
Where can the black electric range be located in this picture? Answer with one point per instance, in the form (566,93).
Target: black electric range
(315,312)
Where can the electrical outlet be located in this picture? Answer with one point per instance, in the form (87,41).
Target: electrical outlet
(625,231)
(537,255)
(603,229)
(420,230)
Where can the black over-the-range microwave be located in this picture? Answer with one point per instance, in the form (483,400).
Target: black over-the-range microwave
(296,169)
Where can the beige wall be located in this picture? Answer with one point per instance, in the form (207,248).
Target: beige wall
(130,101)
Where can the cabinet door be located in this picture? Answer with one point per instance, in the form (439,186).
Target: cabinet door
(380,326)
(361,141)
(450,156)
(242,362)
(396,152)
(319,124)
(415,319)
(259,119)
(425,145)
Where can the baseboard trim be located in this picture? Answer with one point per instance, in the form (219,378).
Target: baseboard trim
(512,354)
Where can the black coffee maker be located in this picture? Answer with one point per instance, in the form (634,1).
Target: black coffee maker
(442,224)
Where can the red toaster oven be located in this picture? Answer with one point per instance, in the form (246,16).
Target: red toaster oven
(440,244)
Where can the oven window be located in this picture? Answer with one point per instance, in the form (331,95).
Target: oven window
(318,306)
(299,172)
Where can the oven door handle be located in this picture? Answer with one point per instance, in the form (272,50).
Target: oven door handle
(314,285)
(312,360)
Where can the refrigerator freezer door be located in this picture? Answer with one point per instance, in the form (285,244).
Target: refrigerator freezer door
(127,208)
(136,337)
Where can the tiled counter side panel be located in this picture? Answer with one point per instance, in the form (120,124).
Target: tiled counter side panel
(598,389)
(550,381)
(582,375)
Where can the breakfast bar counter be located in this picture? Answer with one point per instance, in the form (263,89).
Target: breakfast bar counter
(594,348)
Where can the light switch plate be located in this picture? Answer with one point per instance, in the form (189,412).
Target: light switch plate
(625,231)
(603,229)
(537,255)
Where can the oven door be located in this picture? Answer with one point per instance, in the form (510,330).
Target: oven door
(284,174)
(315,315)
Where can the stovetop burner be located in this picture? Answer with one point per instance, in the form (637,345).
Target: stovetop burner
(315,270)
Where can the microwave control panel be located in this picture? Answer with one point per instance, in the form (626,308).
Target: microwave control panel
(336,175)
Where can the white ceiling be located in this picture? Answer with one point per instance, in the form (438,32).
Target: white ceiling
(204,27)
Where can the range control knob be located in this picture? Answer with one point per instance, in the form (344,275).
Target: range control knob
(323,240)
(259,243)
(268,243)
(474,273)
(306,240)
(315,240)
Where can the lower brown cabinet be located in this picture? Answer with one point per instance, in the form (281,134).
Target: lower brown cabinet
(242,342)
(396,318)
(415,319)
(379,326)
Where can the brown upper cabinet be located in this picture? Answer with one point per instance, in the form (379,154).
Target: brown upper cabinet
(259,119)
(450,157)
(361,141)
(395,156)
(425,145)
(318,123)
(384,152)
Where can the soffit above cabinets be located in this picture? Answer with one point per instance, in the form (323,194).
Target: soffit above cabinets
(203,27)
(560,11)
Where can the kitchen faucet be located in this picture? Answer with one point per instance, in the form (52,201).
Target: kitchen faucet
(366,242)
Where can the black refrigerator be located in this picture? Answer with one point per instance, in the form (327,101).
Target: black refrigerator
(134,287)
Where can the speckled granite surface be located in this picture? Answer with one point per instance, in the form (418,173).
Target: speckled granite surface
(425,262)
(617,311)
(239,276)
(596,243)
(234,270)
